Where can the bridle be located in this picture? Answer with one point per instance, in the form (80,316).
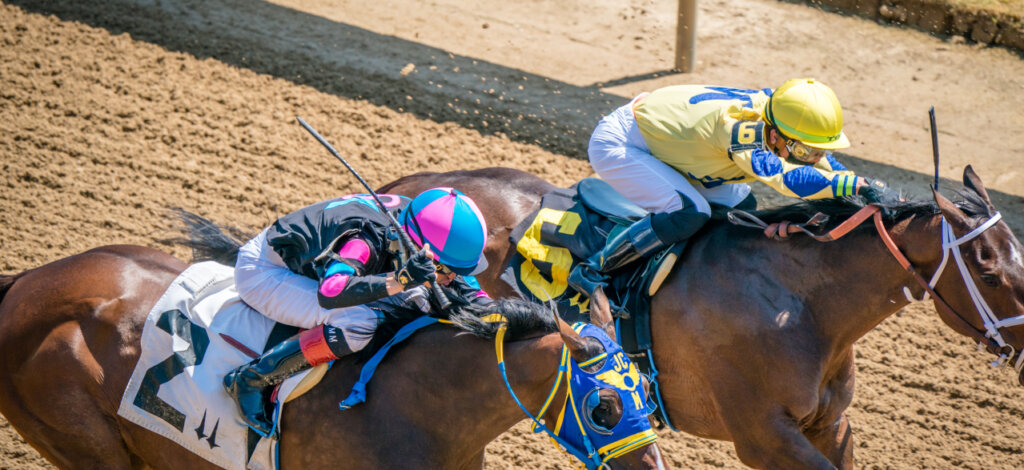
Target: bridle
(990,339)
(590,454)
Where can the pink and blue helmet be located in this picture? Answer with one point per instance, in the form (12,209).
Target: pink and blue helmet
(451,223)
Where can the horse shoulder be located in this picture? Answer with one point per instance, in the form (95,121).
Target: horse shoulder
(745,317)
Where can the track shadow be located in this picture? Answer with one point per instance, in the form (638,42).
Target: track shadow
(356,63)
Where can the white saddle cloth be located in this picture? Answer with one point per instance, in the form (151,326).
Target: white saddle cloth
(176,388)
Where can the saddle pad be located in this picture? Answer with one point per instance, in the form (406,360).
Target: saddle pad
(176,388)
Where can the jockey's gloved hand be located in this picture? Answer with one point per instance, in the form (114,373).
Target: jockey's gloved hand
(876,191)
(417,298)
(585,279)
(418,269)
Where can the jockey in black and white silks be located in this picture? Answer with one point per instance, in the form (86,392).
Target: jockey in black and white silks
(318,268)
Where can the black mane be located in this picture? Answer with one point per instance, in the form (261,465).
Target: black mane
(839,209)
(524,319)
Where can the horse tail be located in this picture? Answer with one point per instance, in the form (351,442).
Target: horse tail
(208,240)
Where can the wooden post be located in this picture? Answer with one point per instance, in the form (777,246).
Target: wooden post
(686,36)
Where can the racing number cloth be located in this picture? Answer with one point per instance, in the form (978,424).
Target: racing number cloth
(548,244)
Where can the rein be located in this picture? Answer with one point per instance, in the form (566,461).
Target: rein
(590,456)
(990,339)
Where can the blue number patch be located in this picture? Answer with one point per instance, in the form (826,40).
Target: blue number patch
(747,135)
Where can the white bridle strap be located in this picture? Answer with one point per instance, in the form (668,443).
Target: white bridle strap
(951,244)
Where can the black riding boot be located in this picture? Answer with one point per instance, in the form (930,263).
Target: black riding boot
(636,242)
(251,384)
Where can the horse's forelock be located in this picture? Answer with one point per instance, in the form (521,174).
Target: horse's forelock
(973,205)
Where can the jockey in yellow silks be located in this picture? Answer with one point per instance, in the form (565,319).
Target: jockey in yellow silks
(679,148)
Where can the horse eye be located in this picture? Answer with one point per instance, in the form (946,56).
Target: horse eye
(990,280)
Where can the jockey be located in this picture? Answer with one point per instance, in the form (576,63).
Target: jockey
(678,149)
(318,267)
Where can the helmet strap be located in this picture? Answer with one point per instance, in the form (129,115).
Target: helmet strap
(769,117)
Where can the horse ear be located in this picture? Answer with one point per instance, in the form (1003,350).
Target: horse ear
(573,341)
(601,312)
(952,213)
(971,180)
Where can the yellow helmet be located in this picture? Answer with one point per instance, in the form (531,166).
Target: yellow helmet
(808,111)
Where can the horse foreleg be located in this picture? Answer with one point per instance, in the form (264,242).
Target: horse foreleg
(776,443)
(764,432)
(836,442)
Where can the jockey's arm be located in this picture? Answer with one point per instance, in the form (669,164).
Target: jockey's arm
(825,179)
(468,288)
(345,283)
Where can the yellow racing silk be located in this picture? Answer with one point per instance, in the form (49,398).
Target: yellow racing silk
(716,135)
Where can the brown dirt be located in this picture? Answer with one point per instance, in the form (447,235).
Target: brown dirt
(998,23)
(112,111)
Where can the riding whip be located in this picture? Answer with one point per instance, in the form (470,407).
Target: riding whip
(442,299)
(935,145)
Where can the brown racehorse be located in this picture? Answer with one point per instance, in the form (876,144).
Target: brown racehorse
(753,338)
(69,339)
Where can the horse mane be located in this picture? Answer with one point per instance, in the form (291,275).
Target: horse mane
(839,209)
(524,318)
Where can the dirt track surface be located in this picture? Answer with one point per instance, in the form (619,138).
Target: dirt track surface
(111,113)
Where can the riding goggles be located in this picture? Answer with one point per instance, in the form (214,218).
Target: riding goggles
(802,152)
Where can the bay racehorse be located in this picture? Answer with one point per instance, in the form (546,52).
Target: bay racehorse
(753,338)
(69,340)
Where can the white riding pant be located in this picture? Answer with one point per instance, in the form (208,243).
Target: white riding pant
(621,157)
(267,285)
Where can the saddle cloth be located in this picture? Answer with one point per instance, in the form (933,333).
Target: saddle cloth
(176,388)
(571,224)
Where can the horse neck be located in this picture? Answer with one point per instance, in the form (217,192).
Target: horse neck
(532,368)
(861,283)
(441,398)
(479,395)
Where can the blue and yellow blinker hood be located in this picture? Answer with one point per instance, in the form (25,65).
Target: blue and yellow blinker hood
(619,374)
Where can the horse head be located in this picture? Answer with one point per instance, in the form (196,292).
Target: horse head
(608,397)
(986,300)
